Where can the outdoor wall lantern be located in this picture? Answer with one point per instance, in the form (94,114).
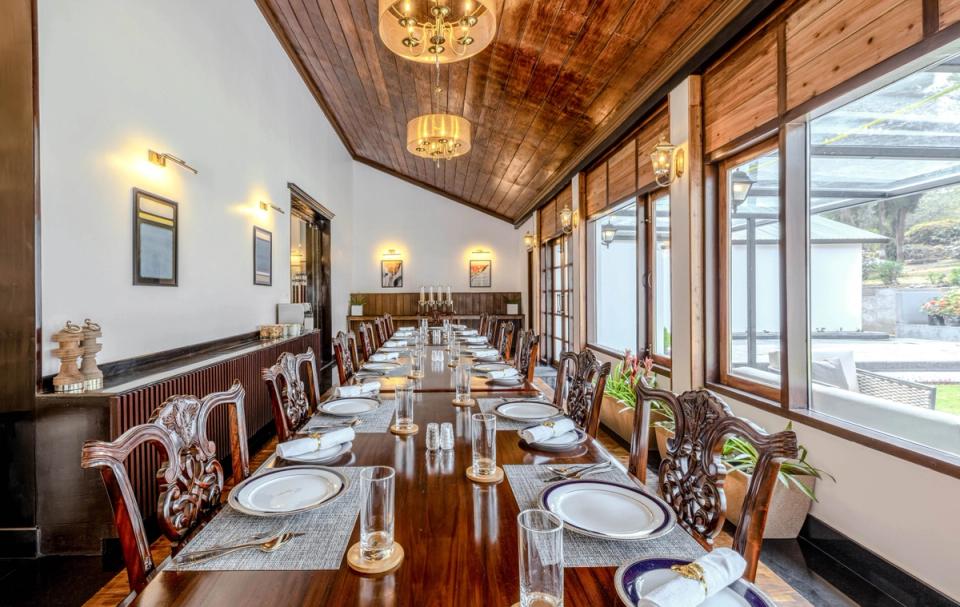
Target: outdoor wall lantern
(668,162)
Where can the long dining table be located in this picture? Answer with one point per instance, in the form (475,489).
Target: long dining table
(459,537)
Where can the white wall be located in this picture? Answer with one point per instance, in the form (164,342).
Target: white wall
(434,236)
(206,81)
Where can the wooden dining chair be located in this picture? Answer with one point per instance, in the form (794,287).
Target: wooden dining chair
(366,341)
(581,379)
(346,355)
(490,331)
(482,327)
(692,475)
(379,332)
(190,475)
(504,340)
(388,319)
(528,349)
(289,397)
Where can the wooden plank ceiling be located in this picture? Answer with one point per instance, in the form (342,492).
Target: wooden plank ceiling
(559,73)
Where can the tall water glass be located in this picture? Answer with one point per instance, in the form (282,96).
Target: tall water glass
(484,428)
(404,400)
(541,558)
(416,363)
(454,348)
(461,381)
(377,512)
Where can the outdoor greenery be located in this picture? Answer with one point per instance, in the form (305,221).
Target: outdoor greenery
(888,271)
(948,398)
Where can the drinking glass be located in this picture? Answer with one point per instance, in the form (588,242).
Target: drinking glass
(454,348)
(446,436)
(435,336)
(377,512)
(416,363)
(541,558)
(404,399)
(433,436)
(484,428)
(461,381)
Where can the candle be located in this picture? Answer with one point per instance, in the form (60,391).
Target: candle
(449,295)
(431,293)
(421,294)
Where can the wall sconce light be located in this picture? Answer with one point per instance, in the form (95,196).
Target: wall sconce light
(391,254)
(529,240)
(608,233)
(740,184)
(266,206)
(566,220)
(668,162)
(161,158)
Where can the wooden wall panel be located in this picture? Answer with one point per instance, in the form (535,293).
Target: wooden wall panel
(597,189)
(468,303)
(830,41)
(622,172)
(549,224)
(740,92)
(658,125)
(949,12)
(564,200)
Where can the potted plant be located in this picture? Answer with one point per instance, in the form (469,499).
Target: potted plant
(620,401)
(513,305)
(951,308)
(356,304)
(934,310)
(792,495)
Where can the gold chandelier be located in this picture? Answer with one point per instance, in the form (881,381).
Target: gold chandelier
(440,31)
(438,136)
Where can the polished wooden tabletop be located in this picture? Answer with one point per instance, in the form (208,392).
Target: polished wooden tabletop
(438,376)
(460,538)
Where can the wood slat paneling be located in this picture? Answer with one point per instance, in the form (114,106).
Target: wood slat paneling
(549,223)
(828,42)
(656,126)
(949,12)
(622,172)
(740,91)
(597,189)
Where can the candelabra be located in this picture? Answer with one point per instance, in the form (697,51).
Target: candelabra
(435,310)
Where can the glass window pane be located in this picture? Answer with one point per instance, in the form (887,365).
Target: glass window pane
(753,275)
(885,259)
(661,272)
(614,247)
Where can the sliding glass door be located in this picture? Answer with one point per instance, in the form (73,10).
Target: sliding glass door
(556,299)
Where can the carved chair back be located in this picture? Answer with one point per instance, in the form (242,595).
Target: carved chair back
(291,397)
(352,348)
(580,383)
(504,342)
(692,475)
(366,340)
(482,329)
(388,319)
(490,330)
(190,475)
(528,348)
(344,350)
(380,332)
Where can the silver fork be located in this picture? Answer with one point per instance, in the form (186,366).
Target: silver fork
(270,545)
(578,474)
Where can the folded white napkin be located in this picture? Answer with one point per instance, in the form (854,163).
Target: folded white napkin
(479,339)
(468,332)
(395,344)
(502,374)
(538,434)
(302,446)
(484,352)
(384,356)
(368,387)
(721,568)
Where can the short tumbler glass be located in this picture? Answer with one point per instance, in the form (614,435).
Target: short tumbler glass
(462,375)
(541,558)
(484,429)
(377,513)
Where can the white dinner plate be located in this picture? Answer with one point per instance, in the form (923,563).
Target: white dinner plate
(281,491)
(608,510)
(385,365)
(392,349)
(320,456)
(488,367)
(348,407)
(527,410)
(516,380)
(564,442)
(396,343)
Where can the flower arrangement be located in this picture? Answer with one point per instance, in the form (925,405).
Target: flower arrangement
(624,378)
(944,307)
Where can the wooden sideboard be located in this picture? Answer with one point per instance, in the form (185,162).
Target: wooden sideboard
(73,510)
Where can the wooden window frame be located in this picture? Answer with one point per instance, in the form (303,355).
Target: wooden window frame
(652,282)
(727,378)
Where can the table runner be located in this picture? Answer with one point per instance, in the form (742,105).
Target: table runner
(526,482)
(487,405)
(373,422)
(327,531)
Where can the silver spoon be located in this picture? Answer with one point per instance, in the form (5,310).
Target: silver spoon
(271,545)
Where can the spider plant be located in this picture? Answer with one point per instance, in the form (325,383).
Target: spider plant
(740,455)
(358,300)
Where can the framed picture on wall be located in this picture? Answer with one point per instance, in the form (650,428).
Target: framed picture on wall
(262,257)
(391,273)
(481,273)
(154,240)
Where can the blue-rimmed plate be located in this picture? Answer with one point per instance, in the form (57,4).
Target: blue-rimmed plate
(564,442)
(656,572)
(612,511)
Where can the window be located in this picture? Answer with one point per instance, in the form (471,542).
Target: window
(751,285)
(661,278)
(612,240)
(884,259)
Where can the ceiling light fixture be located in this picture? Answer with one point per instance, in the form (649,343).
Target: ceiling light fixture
(437,30)
(161,158)
(438,136)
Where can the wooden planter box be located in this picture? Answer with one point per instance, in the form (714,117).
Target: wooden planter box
(788,508)
(619,419)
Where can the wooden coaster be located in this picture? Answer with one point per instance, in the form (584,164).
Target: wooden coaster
(466,403)
(361,565)
(496,477)
(412,429)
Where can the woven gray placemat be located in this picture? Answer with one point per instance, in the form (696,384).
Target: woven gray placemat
(526,482)
(326,533)
(488,404)
(373,422)
(401,370)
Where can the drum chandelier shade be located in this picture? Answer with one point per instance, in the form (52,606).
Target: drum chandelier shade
(441,31)
(438,136)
